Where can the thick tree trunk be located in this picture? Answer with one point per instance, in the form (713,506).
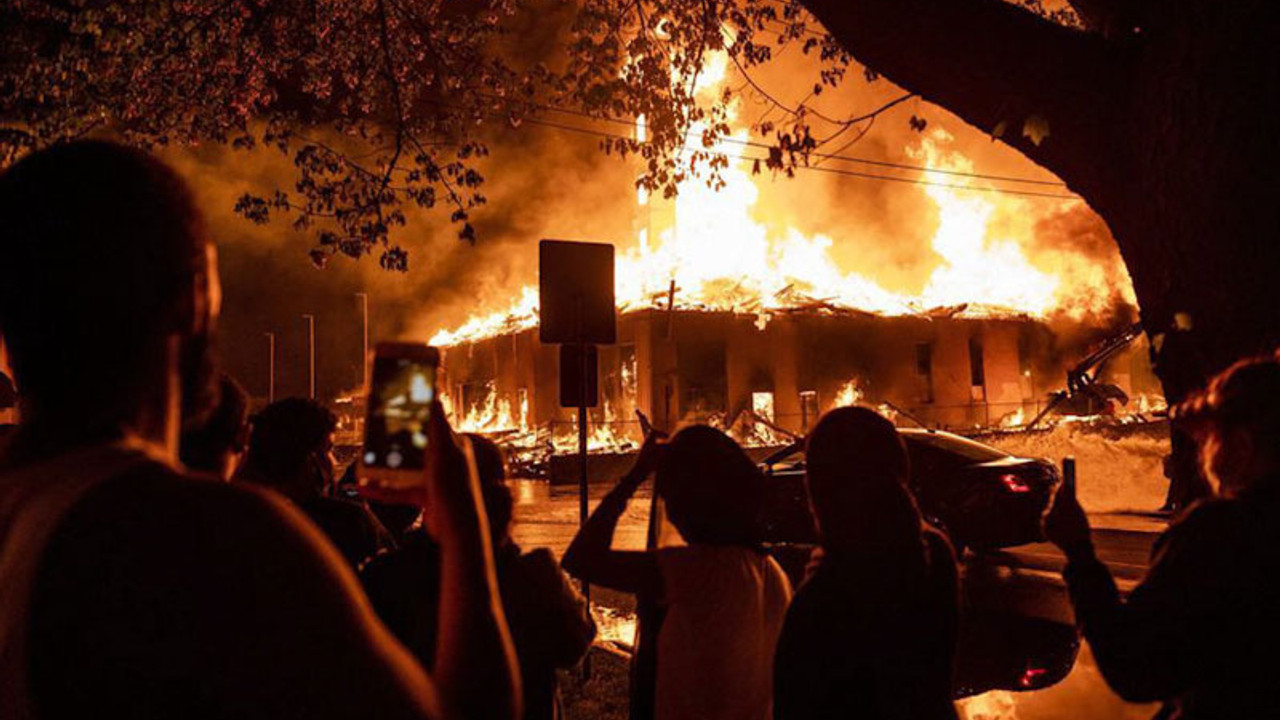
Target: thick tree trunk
(1162,124)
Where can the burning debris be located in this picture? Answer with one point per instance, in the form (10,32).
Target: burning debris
(763,386)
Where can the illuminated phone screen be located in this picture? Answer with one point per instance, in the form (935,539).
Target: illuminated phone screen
(400,397)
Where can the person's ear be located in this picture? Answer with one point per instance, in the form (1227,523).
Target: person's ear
(198,311)
(208,292)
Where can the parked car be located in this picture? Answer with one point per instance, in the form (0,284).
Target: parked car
(981,497)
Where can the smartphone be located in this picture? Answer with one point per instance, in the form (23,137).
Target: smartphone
(401,392)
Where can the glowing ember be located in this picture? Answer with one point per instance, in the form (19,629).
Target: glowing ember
(1015,419)
(610,436)
(762,405)
(1145,404)
(613,625)
(849,394)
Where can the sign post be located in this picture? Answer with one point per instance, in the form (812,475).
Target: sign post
(575,293)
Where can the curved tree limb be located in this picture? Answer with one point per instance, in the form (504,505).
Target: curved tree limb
(1000,68)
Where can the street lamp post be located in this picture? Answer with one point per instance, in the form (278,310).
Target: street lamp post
(311,353)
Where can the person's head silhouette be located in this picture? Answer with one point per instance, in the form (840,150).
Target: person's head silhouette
(108,292)
(713,492)
(491,468)
(216,444)
(856,471)
(291,448)
(1237,419)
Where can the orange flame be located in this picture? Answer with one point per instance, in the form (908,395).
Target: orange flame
(719,257)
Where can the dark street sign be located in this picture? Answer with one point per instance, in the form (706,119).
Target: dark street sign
(571,380)
(575,290)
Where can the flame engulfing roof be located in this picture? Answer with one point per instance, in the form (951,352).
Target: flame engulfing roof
(708,249)
(523,314)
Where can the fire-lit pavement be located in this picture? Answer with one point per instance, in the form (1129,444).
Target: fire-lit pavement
(547,516)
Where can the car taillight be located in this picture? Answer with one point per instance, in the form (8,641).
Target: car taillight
(1030,677)
(1015,484)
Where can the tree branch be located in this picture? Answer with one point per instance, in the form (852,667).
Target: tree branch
(997,67)
(394,84)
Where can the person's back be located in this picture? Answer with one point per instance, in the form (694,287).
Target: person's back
(724,609)
(872,630)
(722,598)
(1221,561)
(136,611)
(550,623)
(127,588)
(291,452)
(349,525)
(872,636)
(549,620)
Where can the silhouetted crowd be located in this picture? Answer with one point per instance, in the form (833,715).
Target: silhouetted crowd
(164,554)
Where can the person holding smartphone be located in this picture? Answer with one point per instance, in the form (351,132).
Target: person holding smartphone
(131,588)
(1200,632)
(550,623)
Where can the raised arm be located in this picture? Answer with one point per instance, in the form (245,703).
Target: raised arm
(591,556)
(1145,645)
(476,669)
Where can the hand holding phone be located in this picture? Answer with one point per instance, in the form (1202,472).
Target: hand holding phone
(402,398)
(1066,524)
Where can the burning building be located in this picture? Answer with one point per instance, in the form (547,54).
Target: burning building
(948,368)
(724,318)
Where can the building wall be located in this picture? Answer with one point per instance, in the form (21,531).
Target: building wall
(694,366)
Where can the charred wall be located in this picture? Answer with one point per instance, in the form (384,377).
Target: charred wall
(684,366)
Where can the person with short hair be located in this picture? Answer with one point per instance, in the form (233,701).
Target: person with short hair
(291,452)
(131,588)
(1200,632)
(722,597)
(872,630)
(219,440)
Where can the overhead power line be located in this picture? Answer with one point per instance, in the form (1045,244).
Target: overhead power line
(825,156)
(831,170)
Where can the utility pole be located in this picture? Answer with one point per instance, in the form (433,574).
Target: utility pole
(311,351)
(364,320)
(271,367)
